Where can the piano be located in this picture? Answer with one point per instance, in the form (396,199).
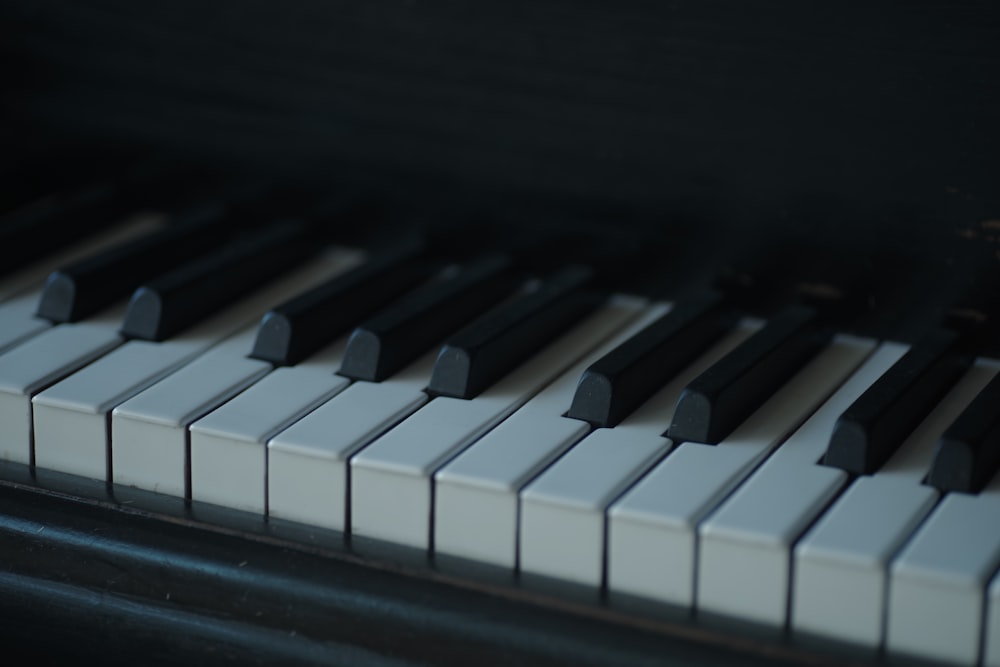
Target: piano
(534,333)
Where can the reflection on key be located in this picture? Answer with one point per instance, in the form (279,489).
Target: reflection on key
(968,453)
(71,417)
(666,504)
(841,565)
(937,592)
(399,465)
(562,525)
(480,486)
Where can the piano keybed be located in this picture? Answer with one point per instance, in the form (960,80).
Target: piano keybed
(779,474)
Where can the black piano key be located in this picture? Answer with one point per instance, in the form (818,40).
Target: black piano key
(968,453)
(80,289)
(617,383)
(877,423)
(55,222)
(496,343)
(181,297)
(718,400)
(295,329)
(398,335)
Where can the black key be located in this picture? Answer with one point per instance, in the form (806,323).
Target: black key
(292,331)
(80,289)
(617,383)
(181,297)
(55,222)
(718,400)
(402,332)
(968,453)
(496,343)
(877,423)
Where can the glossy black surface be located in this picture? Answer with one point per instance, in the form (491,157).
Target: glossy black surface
(968,453)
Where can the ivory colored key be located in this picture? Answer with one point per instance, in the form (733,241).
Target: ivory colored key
(841,565)
(391,478)
(71,418)
(664,510)
(562,512)
(41,361)
(480,486)
(937,585)
(757,525)
(307,463)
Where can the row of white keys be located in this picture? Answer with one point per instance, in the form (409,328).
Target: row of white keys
(41,361)
(744,548)
(21,291)
(229,444)
(72,417)
(841,565)
(662,513)
(562,512)
(149,431)
(938,582)
(307,464)
(391,487)
(480,486)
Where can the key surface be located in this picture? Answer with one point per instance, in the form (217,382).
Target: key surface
(400,464)
(620,381)
(480,486)
(78,289)
(400,333)
(968,453)
(302,325)
(723,396)
(488,348)
(876,424)
(991,649)
(664,509)
(174,301)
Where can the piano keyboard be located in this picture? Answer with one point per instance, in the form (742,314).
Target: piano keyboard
(767,469)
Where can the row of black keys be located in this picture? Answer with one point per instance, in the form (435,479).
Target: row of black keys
(197,264)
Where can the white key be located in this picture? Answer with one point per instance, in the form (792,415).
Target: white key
(756,526)
(662,513)
(307,463)
(41,361)
(991,656)
(71,417)
(562,524)
(937,585)
(391,478)
(229,444)
(844,557)
(480,486)
(149,430)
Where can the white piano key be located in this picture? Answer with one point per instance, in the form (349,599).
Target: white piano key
(41,361)
(562,524)
(756,526)
(844,557)
(229,444)
(937,584)
(663,511)
(480,486)
(391,478)
(307,463)
(149,430)
(71,418)
(991,650)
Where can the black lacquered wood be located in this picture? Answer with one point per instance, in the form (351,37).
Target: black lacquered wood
(176,300)
(400,333)
(80,289)
(48,224)
(497,343)
(968,454)
(877,423)
(302,325)
(620,381)
(718,400)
